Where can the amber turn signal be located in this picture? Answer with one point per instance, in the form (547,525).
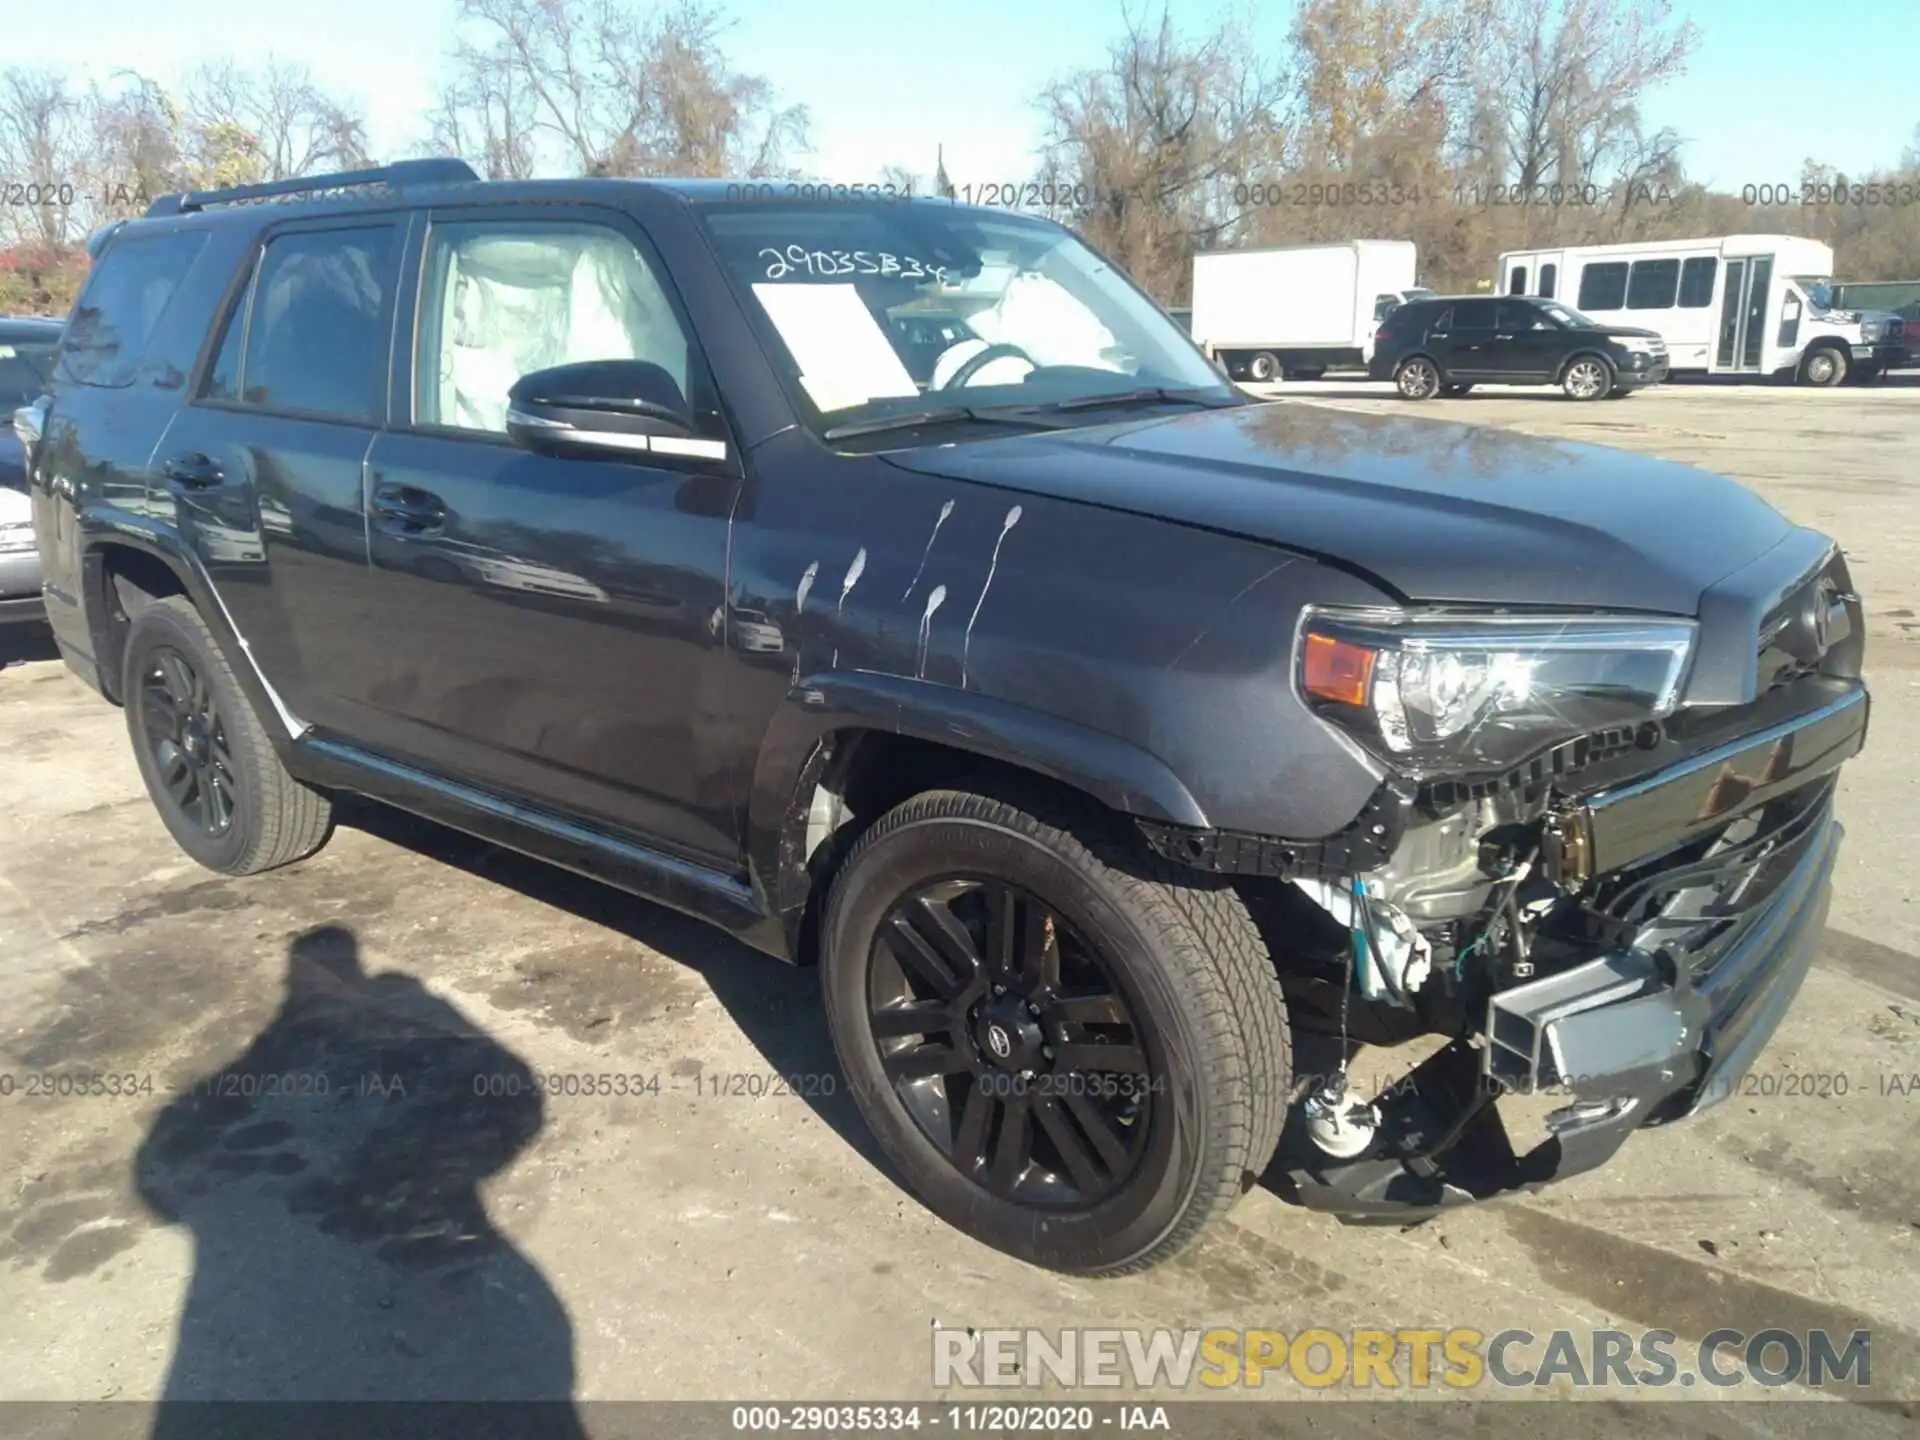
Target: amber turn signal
(1338,670)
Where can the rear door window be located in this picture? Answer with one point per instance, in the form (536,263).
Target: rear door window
(125,300)
(311,336)
(1474,315)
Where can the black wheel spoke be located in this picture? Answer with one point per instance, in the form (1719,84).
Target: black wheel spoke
(921,1062)
(178,680)
(931,944)
(970,1140)
(158,720)
(1082,1166)
(219,805)
(921,1017)
(1003,933)
(1013,1146)
(1094,1124)
(176,775)
(1092,1057)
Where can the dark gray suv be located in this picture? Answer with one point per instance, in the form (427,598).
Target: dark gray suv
(1124,753)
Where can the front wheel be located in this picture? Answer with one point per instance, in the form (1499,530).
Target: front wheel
(1418,378)
(1587,378)
(1069,1052)
(208,764)
(1824,367)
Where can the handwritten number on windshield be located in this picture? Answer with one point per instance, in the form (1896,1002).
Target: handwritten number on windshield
(782,263)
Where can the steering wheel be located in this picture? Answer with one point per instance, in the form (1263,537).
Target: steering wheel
(974,364)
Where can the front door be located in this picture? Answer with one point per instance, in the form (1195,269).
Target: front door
(1743,313)
(1525,342)
(553,630)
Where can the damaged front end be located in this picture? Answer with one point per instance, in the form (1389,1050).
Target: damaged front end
(1602,931)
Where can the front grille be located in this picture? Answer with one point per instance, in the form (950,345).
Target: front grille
(1694,902)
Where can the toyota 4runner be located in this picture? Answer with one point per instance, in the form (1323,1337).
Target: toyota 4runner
(1127,754)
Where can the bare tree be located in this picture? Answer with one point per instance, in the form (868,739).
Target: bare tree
(615,92)
(1152,144)
(42,142)
(269,124)
(1566,77)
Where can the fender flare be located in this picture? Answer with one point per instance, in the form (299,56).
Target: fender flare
(103,529)
(794,754)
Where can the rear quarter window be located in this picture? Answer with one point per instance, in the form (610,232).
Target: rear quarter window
(121,310)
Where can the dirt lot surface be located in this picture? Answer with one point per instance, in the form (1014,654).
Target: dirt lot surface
(231,1229)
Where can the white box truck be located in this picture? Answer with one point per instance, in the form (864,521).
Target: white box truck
(1725,304)
(1298,311)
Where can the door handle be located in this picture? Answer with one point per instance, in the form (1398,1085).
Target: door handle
(409,510)
(1503,337)
(195,471)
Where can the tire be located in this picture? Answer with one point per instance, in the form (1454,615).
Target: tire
(1454,392)
(1824,366)
(1263,367)
(1206,1026)
(1587,377)
(1418,378)
(231,804)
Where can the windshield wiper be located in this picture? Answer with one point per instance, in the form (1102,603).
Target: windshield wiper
(1147,395)
(1025,415)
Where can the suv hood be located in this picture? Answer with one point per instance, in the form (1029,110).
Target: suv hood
(1433,511)
(1627,332)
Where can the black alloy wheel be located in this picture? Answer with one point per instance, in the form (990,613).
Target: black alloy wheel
(187,741)
(1009,1041)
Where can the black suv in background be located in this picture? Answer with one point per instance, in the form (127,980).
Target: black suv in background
(1444,346)
(1123,751)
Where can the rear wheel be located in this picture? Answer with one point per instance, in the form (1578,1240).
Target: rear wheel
(1824,366)
(1263,367)
(1069,1053)
(208,765)
(1587,377)
(1418,378)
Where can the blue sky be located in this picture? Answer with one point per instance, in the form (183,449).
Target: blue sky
(1771,82)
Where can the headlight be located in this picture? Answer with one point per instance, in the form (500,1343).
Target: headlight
(1871,329)
(1435,694)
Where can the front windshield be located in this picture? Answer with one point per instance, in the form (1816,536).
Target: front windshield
(1569,317)
(899,307)
(1818,288)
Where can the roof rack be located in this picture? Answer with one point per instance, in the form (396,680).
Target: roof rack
(437,171)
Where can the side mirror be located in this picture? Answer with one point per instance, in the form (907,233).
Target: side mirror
(601,407)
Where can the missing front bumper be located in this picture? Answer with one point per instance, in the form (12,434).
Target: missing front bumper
(1632,1039)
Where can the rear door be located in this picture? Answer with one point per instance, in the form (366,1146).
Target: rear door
(264,469)
(1525,343)
(1470,345)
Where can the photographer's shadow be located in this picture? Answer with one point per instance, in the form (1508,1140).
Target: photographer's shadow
(330,1178)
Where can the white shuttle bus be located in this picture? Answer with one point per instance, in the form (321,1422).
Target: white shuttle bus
(1725,305)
